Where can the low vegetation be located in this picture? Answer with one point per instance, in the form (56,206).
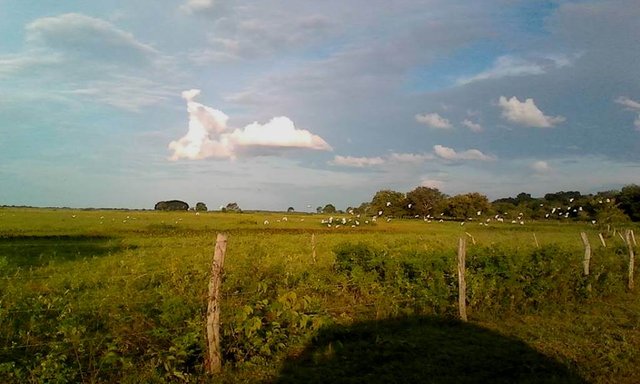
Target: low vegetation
(120,296)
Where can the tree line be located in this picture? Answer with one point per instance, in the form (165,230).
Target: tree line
(430,203)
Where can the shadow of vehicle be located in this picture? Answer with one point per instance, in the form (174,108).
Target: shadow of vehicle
(420,350)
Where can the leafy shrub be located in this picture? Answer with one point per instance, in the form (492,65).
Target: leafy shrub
(350,256)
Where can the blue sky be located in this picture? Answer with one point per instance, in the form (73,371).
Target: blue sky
(274,104)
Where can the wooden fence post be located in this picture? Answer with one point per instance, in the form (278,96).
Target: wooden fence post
(631,259)
(213,361)
(602,240)
(462,285)
(472,239)
(535,239)
(313,247)
(587,253)
(587,257)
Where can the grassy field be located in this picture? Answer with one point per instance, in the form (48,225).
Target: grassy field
(120,296)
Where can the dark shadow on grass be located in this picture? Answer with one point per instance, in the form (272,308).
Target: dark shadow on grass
(35,251)
(420,350)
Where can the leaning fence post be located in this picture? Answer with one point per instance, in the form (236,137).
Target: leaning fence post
(313,247)
(535,239)
(631,259)
(462,285)
(587,256)
(602,240)
(213,362)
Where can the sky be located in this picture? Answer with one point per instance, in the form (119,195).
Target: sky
(272,104)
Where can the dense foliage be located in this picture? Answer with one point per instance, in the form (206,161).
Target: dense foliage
(171,205)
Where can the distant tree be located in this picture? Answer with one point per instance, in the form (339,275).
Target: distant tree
(391,203)
(232,207)
(290,209)
(200,206)
(171,205)
(329,208)
(425,201)
(467,205)
(562,197)
(363,209)
(629,201)
(318,209)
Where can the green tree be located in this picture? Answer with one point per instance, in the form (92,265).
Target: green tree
(200,206)
(467,205)
(232,207)
(391,203)
(629,201)
(290,209)
(329,208)
(425,201)
(171,205)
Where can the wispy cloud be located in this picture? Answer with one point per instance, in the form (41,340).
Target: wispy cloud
(357,162)
(540,167)
(508,66)
(392,158)
(79,35)
(433,120)
(474,127)
(191,6)
(209,136)
(447,153)
(526,113)
(631,105)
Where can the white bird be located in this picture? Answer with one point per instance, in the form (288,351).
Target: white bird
(571,200)
(547,215)
(410,205)
(479,213)
(461,224)
(379,213)
(608,200)
(285,219)
(522,223)
(266,222)
(388,203)
(553,210)
(593,221)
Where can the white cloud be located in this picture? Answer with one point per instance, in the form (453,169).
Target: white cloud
(80,35)
(415,158)
(474,127)
(540,167)
(197,5)
(432,183)
(433,120)
(447,153)
(506,66)
(208,134)
(526,113)
(631,105)
(358,162)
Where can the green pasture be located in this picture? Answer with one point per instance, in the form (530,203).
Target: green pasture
(120,296)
